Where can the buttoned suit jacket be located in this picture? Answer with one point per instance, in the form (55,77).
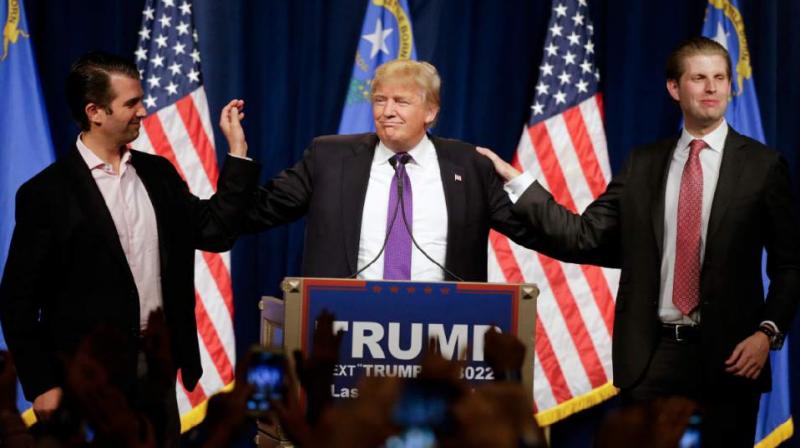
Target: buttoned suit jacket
(752,210)
(329,185)
(67,274)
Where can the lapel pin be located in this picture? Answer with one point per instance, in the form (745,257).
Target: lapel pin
(457,177)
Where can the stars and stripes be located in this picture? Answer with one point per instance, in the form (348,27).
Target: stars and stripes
(564,147)
(178,127)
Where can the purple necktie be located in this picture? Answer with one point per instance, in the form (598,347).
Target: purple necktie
(397,259)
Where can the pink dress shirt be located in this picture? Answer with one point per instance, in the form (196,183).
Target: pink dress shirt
(135,219)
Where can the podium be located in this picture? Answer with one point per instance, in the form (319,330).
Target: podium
(387,324)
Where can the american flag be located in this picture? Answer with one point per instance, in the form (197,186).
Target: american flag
(178,127)
(564,147)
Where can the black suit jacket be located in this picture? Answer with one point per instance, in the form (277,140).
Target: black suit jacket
(752,210)
(67,275)
(329,185)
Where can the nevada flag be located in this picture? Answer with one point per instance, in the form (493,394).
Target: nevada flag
(385,35)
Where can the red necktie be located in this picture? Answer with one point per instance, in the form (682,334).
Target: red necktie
(686,285)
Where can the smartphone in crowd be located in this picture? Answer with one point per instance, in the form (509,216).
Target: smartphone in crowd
(266,373)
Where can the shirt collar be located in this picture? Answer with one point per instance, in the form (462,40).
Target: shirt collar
(420,154)
(94,162)
(715,139)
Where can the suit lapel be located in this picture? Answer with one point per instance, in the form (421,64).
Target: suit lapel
(658,185)
(155,190)
(729,170)
(355,178)
(454,196)
(94,206)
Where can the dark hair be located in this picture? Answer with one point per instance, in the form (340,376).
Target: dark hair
(691,47)
(89,82)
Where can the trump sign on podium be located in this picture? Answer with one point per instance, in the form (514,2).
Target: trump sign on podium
(386,325)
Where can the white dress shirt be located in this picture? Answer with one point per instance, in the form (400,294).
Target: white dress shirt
(135,219)
(429,225)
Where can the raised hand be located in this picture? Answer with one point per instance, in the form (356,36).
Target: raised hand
(230,122)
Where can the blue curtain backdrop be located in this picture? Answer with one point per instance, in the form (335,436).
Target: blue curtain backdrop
(291,60)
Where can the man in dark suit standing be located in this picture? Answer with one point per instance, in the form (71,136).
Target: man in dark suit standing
(687,220)
(107,234)
(365,195)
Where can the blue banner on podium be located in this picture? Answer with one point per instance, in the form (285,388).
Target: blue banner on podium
(387,324)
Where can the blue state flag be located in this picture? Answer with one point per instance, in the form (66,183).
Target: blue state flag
(724,24)
(385,35)
(25,144)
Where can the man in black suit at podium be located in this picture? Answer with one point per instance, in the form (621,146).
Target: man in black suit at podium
(430,201)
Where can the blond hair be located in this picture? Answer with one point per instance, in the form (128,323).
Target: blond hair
(422,74)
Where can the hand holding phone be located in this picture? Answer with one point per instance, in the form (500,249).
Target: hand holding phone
(266,373)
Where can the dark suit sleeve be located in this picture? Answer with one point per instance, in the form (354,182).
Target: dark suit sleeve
(782,246)
(217,221)
(26,285)
(592,237)
(283,199)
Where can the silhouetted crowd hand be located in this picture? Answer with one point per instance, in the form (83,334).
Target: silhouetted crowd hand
(438,408)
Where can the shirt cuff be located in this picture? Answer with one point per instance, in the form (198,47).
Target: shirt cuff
(516,186)
(240,157)
(772,325)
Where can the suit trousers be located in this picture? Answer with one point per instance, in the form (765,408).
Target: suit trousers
(676,369)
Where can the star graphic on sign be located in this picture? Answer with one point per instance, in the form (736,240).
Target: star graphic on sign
(175,68)
(556,29)
(538,109)
(185,8)
(183,28)
(561,97)
(154,81)
(564,77)
(582,86)
(149,13)
(172,88)
(144,33)
(166,21)
(179,48)
(547,69)
(542,88)
(378,39)
(161,41)
(150,102)
(158,61)
(141,54)
(193,75)
(561,10)
(574,39)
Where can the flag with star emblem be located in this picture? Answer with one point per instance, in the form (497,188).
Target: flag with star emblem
(385,35)
(178,127)
(724,24)
(564,146)
(25,145)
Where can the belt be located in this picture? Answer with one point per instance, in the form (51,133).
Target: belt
(680,332)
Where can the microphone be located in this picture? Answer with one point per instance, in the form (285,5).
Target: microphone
(403,159)
(393,163)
